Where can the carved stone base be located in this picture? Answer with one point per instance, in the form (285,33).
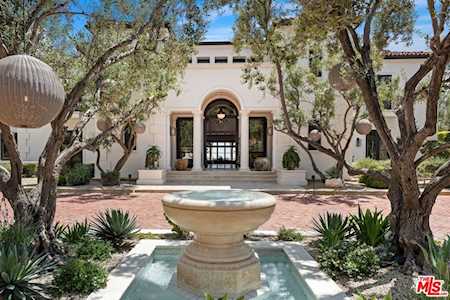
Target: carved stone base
(233,270)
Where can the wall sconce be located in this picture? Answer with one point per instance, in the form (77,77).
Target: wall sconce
(358,142)
(269,130)
(173,131)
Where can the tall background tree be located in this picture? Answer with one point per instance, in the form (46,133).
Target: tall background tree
(83,42)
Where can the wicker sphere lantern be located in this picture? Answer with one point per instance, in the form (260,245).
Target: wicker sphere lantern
(363,127)
(314,135)
(339,81)
(139,128)
(104,124)
(31,94)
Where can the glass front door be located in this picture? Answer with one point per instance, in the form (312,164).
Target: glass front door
(257,139)
(185,139)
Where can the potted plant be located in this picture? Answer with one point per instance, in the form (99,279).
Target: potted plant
(333,178)
(152,158)
(291,175)
(262,164)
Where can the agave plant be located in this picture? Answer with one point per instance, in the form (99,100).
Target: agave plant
(59,230)
(438,258)
(370,227)
(17,235)
(76,232)
(115,226)
(19,272)
(333,228)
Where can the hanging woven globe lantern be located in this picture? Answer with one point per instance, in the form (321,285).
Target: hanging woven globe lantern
(339,81)
(31,94)
(104,124)
(139,128)
(314,135)
(363,127)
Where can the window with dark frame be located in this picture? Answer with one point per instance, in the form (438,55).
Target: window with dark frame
(127,135)
(4,151)
(221,60)
(315,58)
(239,59)
(311,126)
(185,139)
(203,60)
(387,104)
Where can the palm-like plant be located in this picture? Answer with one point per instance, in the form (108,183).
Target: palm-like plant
(370,227)
(438,258)
(333,228)
(76,232)
(19,272)
(115,226)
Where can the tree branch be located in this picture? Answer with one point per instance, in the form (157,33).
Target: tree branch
(432,153)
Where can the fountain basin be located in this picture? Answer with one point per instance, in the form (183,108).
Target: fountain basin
(218,261)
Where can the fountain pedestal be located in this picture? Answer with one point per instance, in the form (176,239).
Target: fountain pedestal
(218,261)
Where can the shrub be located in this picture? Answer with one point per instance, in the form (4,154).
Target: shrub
(438,257)
(429,166)
(361,262)
(285,234)
(92,249)
(372,182)
(362,297)
(370,227)
(225,297)
(443,136)
(80,277)
(332,173)
(178,232)
(349,259)
(29,170)
(17,235)
(59,230)
(110,178)
(77,232)
(19,272)
(291,159)
(6,165)
(79,174)
(333,229)
(115,226)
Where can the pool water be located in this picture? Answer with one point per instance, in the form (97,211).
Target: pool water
(157,280)
(221,195)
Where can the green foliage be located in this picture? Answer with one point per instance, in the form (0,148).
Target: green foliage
(79,174)
(350,259)
(332,173)
(291,159)
(370,227)
(17,234)
(76,232)
(146,236)
(116,226)
(178,232)
(92,249)
(110,178)
(20,272)
(29,170)
(225,297)
(428,167)
(79,276)
(333,229)
(372,165)
(289,234)
(6,165)
(438,258)
(152,157)
(443,136)
(362,297)
(59,230)
(372,182)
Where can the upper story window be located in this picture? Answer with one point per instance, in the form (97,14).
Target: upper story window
(203,60)
(315,59)
(220,59)
(190,60)
(387,79)
(239,59)
(4,151)
(311,126)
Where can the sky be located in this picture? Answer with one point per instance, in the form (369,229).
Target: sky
(221,28)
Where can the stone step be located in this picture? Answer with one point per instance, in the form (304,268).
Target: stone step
(221,176)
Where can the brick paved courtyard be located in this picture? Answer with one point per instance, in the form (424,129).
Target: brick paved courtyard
(292,210)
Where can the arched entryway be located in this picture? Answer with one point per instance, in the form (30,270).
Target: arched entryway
(221,135)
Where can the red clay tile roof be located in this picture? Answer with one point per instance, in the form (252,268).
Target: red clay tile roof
(405,54)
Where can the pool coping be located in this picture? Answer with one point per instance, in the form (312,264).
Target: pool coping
(320,285)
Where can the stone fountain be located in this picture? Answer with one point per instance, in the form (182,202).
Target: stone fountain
(218,261)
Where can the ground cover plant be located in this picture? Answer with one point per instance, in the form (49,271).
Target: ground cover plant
(289,235)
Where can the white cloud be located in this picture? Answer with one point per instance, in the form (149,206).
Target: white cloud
(224,33)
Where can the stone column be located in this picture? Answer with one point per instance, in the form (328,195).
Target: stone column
(244,140)
(198,133)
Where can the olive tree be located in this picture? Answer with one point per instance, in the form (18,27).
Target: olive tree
(84,43)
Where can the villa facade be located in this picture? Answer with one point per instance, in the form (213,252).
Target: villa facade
(189,124)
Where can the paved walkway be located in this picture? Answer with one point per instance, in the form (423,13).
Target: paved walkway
(292,210)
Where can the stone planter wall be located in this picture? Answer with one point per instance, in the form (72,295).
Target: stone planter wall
(292,177)
(151,177)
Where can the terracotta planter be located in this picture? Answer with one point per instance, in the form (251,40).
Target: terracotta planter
(181,164)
